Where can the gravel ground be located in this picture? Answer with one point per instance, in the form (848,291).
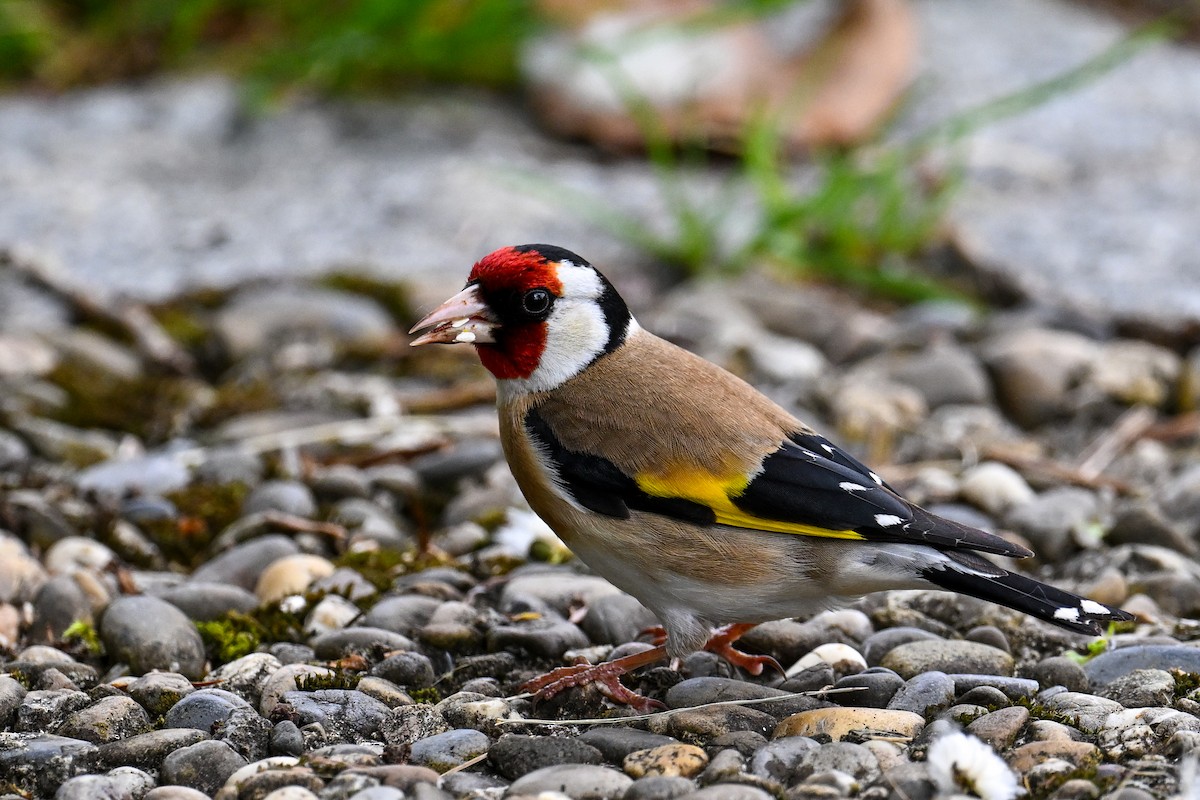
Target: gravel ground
(301,569)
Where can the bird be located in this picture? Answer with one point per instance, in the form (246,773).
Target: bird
(689,489)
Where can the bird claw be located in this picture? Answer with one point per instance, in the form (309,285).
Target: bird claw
(606,677)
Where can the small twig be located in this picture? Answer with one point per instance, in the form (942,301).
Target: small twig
(1178,427)
(1054,470)
(465,765)
(657,714)
(149,339)
(1106,447)
(452,398)
(291,522)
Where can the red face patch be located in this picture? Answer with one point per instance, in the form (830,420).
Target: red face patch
(519,345)
(509,268)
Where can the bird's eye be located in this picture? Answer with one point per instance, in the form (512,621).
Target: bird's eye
(535,301)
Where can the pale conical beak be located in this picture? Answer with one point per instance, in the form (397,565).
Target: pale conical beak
(463,319)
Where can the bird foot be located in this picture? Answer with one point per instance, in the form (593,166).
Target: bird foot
(721,643)
(606,677)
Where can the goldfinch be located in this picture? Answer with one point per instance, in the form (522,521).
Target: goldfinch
(685,486)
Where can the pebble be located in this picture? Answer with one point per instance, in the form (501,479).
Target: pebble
(1055,520)
(147,750)
(43,709)
(204,766)
(122,783)
(659,788)
(447,750)
(1142,688)
(202,600)
(877,645)
(703,724)
(668,760)
(157,692)
(945,655)
(242,564)
(246,676)
(838,723)
(410,669)
(346,714)
(926,694)
(290,575)
(615,743)
(39,763)
(995,488)
(1112,664)
(844,659)
(107,720)
(545,638)
(358,639)
(21,575)
(877,688)
(1035,370)
(1086,711)
(615,619)
(516,755)
(558,589)
(576,781)
(703,691)
(403,614)
(1060,671)
(1000,728)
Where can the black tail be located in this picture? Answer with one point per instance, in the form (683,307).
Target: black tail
(973,575)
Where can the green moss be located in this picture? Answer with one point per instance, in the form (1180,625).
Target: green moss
(380,566)
(391,295)
(238,397)
(428,694)
(338,679)
(228,639)
(86,635)
(1186,683)
(204,511)
(149,406)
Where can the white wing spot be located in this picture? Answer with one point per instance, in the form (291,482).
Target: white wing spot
(876,478)
(1069,614)
(852,487)
(1092,607)
(887,520)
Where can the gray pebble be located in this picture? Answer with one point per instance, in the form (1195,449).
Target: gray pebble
(988,696)
(1060,671)
(926,694)
(407,724)
(1013,688)
(730,791)
(947,655)
(338,481)
(157,692)
(1000,728)
(911,780)
(880,644)
(59,603)
(107,720)
(463,784)
(547,638)
(989,635)
(877,688)
(703,724)
(175,793)
(292,653)
(615,742)
(1110,665)
(11,695)
(241,564)
(246,676)
(852,759)
(204,766)
(42,762)
(205,600)
(147,633)
(450,749)
(346,714)
(286,739)
(147,750)
(229,465)
(410,669)
(403,614)
(377,793)
(45,709)
(781,759)
(358,639)
(122,783)
(577,781)
(246,732)
(659,787)
(1053,519)
(515,755)
(289,497)
(701,691)
(616,619)
(1141,688)
(467,457)
(746,743)
(558,588)
(204,709)
(1084,710)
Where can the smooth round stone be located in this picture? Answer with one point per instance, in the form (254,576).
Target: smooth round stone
(13,450)
(559,589)
(147,750)
(203,709)
(995,488)
(659,788)
(331,613)
(577,781)
(1083,710)
(75,553)
(384,691)
(157,692)
(292,653)
(247,675)
(925,694)
(358,639)
(403,614)
(229,465)
(468,457)
(668,761)
(205,600)
(344,713)
(702,691)
(147,634)
(286,739)
(150,508)
(877,687)
(11,695)
(703,724)
(837,723)
(946,655)
(1001,727)
(447,750)
(107,720)
(780,760)
(288,497)
(42,762)
(729,791)
(345,584)
(204,766)
(242,564)
(410,669)
(21,575)
(266,782)
(286,679)
(615,743)
(337,481)
(419,582)
(987,696)
(174,793)
(616,619)
(547,638)
(878,645)
(149,474)
(59,603)
(290,575)
(1110,665)
(847,757)
(122,783)
(1048,521)
(516,755)
(1013,688)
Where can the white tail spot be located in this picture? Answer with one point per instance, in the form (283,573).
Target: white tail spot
(876,478)
(1092,607)
(1069,614)
(887,520)
(847,486)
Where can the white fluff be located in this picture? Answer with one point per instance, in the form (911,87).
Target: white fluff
(959,763)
